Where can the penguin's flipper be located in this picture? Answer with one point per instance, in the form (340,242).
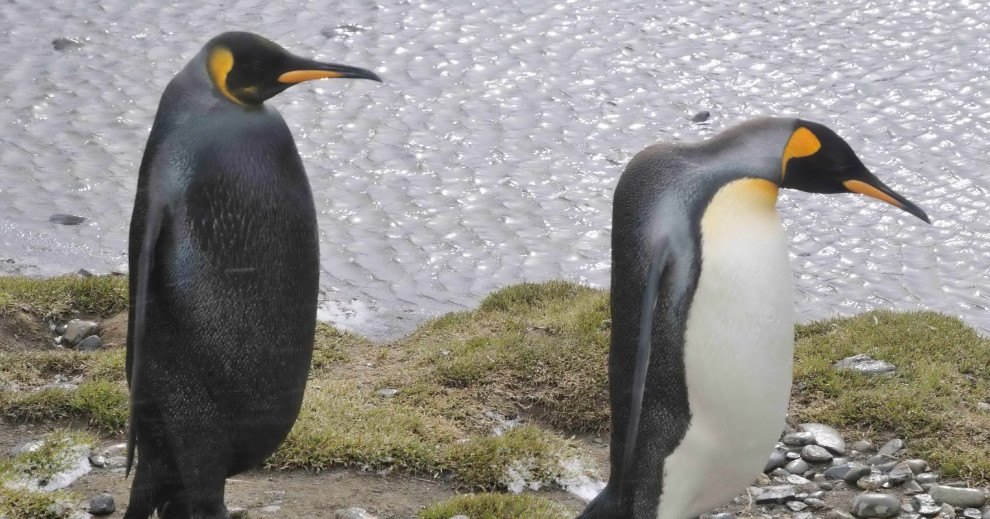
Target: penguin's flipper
(152,229)
(651,293)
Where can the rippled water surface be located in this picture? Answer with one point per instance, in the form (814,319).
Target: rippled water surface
(490,154)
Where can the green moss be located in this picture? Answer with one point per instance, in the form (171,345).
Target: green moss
(943,371)
(27,504)
(525,453)
(99,295)
(57,453)
(102,404)
(497,506)
(331,345)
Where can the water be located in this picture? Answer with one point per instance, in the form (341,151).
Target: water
(490,154)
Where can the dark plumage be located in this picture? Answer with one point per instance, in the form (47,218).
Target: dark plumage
(677,448)
(224,273)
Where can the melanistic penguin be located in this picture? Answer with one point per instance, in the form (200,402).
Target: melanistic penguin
(702,311)
(224,273)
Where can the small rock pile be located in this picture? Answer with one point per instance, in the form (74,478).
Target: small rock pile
(79,334)
(811,474)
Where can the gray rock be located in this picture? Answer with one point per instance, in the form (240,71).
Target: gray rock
(962,497)
(76,330)
(872,481)
(25,447)
(763,480)
(838,514)
(947,512)
(865,364)
(97,460)
(797,467)
(799,439)
(61,44)
(880,459)
(121,270)
(855,473)
(91,343)
(839,461)
(926,478)
(353,513)
(901,473)
(972,513)
(777,460)
(237,512)
(780,473)
(776,494)
(796,506)
(804,515)
(793,455)
(115,462)
(875,505)
(825,436)
(270,509)
(887,467)
(826,486)
(890,448)
(864,446)
(83,273)
(983,406)
(701,116)
(917,466)
(102,504)
(66,219)
(794,479)
(387,392)
(986,513)
(925,505)
(815,454)
(815,503)
(838,472)
(911,487)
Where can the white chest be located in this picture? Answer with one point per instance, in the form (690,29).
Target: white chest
(738,353)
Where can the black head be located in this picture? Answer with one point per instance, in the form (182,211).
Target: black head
(817,160)
(248,69)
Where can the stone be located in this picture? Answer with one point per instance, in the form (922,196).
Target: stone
(837,472)
(794,479)
(780,473)
(798,438)
(838,461)
(387,392)
(796,506)
(855,473)
(804,515)
(986,513)
(864,446)
(911,487)
(353,513)
(947,512)
(793,455)
(120,270)
(701,116)
(763,480)
(962,497)
(890,448)
(83,273)
(926,477)
(25,447)
(917,466)
(825,436)
(875,505)
(865,364)
(776,494)
(886,467)
(797,467)
(270,509)
(61,44)
(925,505)
(826,486)
(972,513)
(115,462)
(237,512)
(776,461)
(76,330)
(872,481)
(66,219)
(838,514)
(816,454)
(880,459)
(815,503)
(983,406)
(97,460)
(91,343)
(901,473)
(102,504)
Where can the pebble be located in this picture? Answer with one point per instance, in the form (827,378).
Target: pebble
(798,438)
(270,509)
(865,364)
(83,273)
(115,462)
(780,473)
(983,406)
(838,472)
(237,512)
(855,473)
(102,504)
(794,479)
(880,459)
(353,513)
(838,514)
(926,477)
(890,448)
(815,454)
(701,116)
(776,494)
(91,343)
(825,436)
(777,460)
(986,513)
(972,513)
(66,219)
(901,473)
(97,460)
(875,505)
(796,506)
(947,512)
(120,270)
(872,481)
(962,497)
(387,392)
(76,330)
(60,44)
(917,466)
(24,447)
(864,446)
(815,502)
(723,515)
(797,467)
(912,487)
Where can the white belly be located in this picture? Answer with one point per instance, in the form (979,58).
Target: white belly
(738,351)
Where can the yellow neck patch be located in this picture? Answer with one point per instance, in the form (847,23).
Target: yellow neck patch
(220,62)
(802,143)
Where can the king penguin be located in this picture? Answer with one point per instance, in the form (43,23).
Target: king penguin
(224,276)
(702,311)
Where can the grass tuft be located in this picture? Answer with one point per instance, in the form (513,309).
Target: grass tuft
(497,506)
(59,296)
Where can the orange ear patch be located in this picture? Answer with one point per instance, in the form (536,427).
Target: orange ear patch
(801,144)
(220,62)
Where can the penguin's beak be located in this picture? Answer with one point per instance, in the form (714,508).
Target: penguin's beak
(868,184)
(305,70)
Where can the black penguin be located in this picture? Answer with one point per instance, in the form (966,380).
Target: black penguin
(702,311)
(224,273)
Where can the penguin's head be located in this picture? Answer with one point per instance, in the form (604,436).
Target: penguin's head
(248,69)
(817,160)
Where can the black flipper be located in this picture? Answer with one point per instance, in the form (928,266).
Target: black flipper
(152,229)
(651,294)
